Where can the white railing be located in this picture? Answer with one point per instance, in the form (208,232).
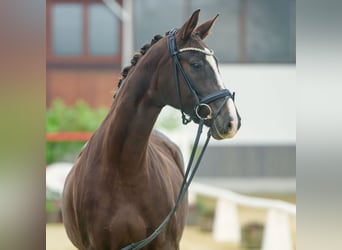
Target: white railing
(226,228)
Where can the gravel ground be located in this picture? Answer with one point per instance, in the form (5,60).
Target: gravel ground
(193,239)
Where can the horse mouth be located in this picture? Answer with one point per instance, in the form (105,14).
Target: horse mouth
(226,122)
(225,131)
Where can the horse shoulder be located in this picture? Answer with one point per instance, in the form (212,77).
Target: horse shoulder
(169,147)
(69,211)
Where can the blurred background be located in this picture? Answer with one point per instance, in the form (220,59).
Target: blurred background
(88,43)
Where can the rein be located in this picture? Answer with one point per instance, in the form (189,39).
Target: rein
(190,173)
(199,104)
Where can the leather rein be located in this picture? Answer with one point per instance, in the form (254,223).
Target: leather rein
(202,105)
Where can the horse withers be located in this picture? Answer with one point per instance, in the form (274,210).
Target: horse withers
(128,176)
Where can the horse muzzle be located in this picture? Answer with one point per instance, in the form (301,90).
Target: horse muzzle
(227,122)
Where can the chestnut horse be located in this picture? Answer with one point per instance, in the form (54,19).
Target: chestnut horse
(127,178)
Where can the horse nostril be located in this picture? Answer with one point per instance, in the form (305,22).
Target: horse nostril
(228,124)
(230,120)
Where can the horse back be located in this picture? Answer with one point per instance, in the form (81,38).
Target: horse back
(168,149)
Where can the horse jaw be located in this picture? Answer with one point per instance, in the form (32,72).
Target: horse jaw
(224,127)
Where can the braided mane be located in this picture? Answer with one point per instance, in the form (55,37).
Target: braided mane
(136,57)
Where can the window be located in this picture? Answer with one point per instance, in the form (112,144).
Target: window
(152,17)
(103,40)
(225,38)
(82,32)
(270,31)
(67,29)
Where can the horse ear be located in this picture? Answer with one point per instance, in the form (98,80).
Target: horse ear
(187,28)
(204,29)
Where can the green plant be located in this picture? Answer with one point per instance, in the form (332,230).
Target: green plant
(77,118)
(50,206)
(205,205)
(251,235)
(205,213)
(80,117)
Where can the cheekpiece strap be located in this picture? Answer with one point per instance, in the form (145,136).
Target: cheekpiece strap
(171,42)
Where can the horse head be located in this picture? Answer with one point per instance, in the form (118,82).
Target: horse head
(190,79)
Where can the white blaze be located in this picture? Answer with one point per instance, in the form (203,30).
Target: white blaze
(233,114)
(210,59)
(233,117)
(230,103)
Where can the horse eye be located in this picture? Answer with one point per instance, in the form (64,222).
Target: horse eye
(195,65)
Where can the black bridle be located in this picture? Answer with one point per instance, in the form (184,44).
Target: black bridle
(201,106)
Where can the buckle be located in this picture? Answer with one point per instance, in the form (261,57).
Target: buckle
(203,111)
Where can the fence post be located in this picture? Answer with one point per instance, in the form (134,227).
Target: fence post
(277,234)
(192,197)
(226,226)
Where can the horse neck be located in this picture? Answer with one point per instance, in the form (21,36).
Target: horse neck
(131,119)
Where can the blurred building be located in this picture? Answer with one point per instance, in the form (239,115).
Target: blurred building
(85,38)
(83,51)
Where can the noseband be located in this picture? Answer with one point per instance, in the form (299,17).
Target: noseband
(201,106)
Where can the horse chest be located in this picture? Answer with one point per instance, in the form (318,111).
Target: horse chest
(134,221)
(139,208)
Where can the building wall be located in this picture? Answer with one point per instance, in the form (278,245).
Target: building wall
(265,146)
(252,31)
(83,51)
(258,161)
(94,86)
